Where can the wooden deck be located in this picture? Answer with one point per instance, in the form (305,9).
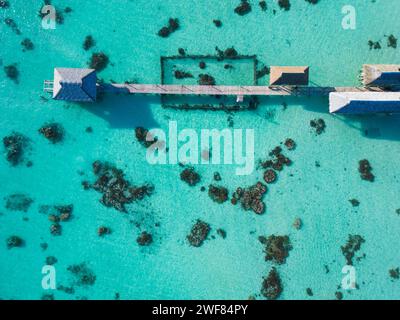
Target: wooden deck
(228,90)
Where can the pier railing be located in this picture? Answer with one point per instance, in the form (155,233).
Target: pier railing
(48,86)
(228,90)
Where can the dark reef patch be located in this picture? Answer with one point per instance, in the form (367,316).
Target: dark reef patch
(394,273)
(290,144)
(98,61)
(217,193)
(116,191)
(88,43)
(57,214)
(173,25)
(65,289)
(206,80)
(354,202)
(144,137)
(12,25)
(278,160)
(272,285)
(284,4)
(51,260)
(318,125)
(392,41)
(182,52)
(217,176)
(190,176)
(251,198)
(351,247)
(364,168)
(339,295)
(228,66)
(47,296)
(263,5)
(243,8)
(217,23)
(102,231)
(144,239)
(276,248)
(270,176)
(14,242)
(376,45)
(15,145)
(221,233)
(229,53)
(83,275)
(12,72)
(54,132)
(198,233)
(18,202)
(56,229)
(27,45)
(182,74)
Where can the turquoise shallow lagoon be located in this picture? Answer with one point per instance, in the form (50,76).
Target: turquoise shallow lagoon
(230,268)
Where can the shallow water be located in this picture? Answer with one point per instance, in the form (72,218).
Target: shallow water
(230,268)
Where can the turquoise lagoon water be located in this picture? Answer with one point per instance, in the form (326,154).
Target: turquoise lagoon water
(230,268)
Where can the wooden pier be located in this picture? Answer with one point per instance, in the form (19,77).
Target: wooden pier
(239,91)
(380,95)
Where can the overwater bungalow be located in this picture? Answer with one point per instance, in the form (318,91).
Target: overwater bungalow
(73,84)
(381,75)
(289,76)
(364,102)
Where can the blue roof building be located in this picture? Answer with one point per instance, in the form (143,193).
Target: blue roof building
(364,102)
(381,75)
(72,84)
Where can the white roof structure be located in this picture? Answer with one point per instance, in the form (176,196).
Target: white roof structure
(364,102)
(73,84)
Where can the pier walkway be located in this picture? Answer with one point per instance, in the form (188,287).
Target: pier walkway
(229,90)
(380,93)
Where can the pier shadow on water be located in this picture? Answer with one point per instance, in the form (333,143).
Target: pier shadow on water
(123,111)
(374,126)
